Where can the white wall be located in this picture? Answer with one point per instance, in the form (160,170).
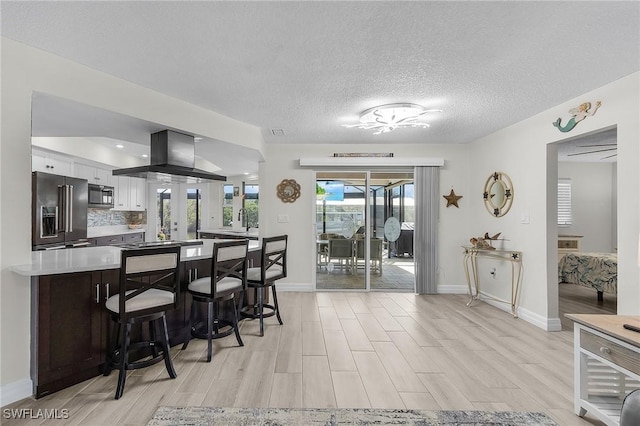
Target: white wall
(519,150)
(592,205)
(282,162)
(25,70)
(525,152)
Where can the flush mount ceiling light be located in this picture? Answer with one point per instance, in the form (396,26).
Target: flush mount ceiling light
(385,118)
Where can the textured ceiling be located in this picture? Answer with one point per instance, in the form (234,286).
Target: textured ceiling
(308,67)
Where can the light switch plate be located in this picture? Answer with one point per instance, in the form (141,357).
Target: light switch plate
(524,217)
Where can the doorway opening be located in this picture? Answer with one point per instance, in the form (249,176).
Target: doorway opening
(176,212)
(353,252)
(587,225)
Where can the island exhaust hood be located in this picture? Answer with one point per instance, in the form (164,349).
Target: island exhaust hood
(172,160)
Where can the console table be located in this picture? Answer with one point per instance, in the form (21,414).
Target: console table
(471,255)
(606,363)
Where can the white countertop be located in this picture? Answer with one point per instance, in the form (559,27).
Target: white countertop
(53,262)
(106,231)
(251,233)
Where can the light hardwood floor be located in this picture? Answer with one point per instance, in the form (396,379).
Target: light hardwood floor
(381,350)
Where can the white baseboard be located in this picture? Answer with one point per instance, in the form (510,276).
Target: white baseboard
(547,324)
(453,289)
(295,287)
(15,391)
(554,324)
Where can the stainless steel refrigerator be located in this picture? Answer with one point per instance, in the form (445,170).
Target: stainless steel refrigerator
(59,211)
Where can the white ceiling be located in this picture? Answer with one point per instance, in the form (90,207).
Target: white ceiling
(309,67)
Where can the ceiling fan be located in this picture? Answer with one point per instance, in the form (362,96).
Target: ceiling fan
(614,145)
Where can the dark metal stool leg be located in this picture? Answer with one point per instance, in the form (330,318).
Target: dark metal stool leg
(192,317)
(260,309)
(165,349)
(153,338)
(124,353)
(114,346)
(255,302)
(209,329)
(275,303)
(235,319)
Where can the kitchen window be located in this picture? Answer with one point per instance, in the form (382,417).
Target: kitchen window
(250,204)
(227,206)
(194,212)
(564,202)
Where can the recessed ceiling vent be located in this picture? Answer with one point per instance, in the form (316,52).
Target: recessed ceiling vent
(277,132)
(172,160)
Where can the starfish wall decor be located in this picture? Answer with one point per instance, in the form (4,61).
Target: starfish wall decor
(452,199)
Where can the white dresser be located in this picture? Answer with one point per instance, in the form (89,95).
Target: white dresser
(606,364)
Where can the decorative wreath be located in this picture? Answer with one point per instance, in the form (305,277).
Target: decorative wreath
(288,190)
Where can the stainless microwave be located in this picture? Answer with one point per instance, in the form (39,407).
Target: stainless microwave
(101,196)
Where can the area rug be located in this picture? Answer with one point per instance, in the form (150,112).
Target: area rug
(201,416)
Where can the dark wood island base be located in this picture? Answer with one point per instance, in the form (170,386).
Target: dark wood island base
(70,325)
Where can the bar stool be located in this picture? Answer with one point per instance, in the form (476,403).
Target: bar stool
(272,268)
(149,286)
(228,276)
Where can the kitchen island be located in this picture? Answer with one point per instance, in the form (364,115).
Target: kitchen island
(100,258)
(251,234)
(70,326)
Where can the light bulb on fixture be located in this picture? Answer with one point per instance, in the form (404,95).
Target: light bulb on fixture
(385,118)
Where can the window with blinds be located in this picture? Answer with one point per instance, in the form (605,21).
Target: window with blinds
(564,202)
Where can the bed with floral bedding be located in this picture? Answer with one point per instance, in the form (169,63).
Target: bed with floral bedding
(596,270)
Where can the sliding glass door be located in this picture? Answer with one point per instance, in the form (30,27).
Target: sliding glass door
(340,224)
(352,252)
(393,210)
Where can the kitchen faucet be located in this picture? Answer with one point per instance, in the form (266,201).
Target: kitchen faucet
(243,218)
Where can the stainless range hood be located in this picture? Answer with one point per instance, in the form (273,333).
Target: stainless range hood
(172,160)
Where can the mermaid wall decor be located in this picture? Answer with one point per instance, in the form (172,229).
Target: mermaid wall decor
(577,115)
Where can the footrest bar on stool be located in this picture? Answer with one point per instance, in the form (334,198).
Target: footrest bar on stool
(248,312)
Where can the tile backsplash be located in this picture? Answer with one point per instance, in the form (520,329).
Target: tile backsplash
(104,217)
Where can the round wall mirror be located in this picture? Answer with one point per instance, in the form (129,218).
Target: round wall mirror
(498,194)
(288,190)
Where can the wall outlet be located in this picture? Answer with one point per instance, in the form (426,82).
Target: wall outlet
(283,218)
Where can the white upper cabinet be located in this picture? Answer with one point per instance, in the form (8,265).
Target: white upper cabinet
(121,192)
(96,175)
(137,194)
(130,193)
(48,163)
